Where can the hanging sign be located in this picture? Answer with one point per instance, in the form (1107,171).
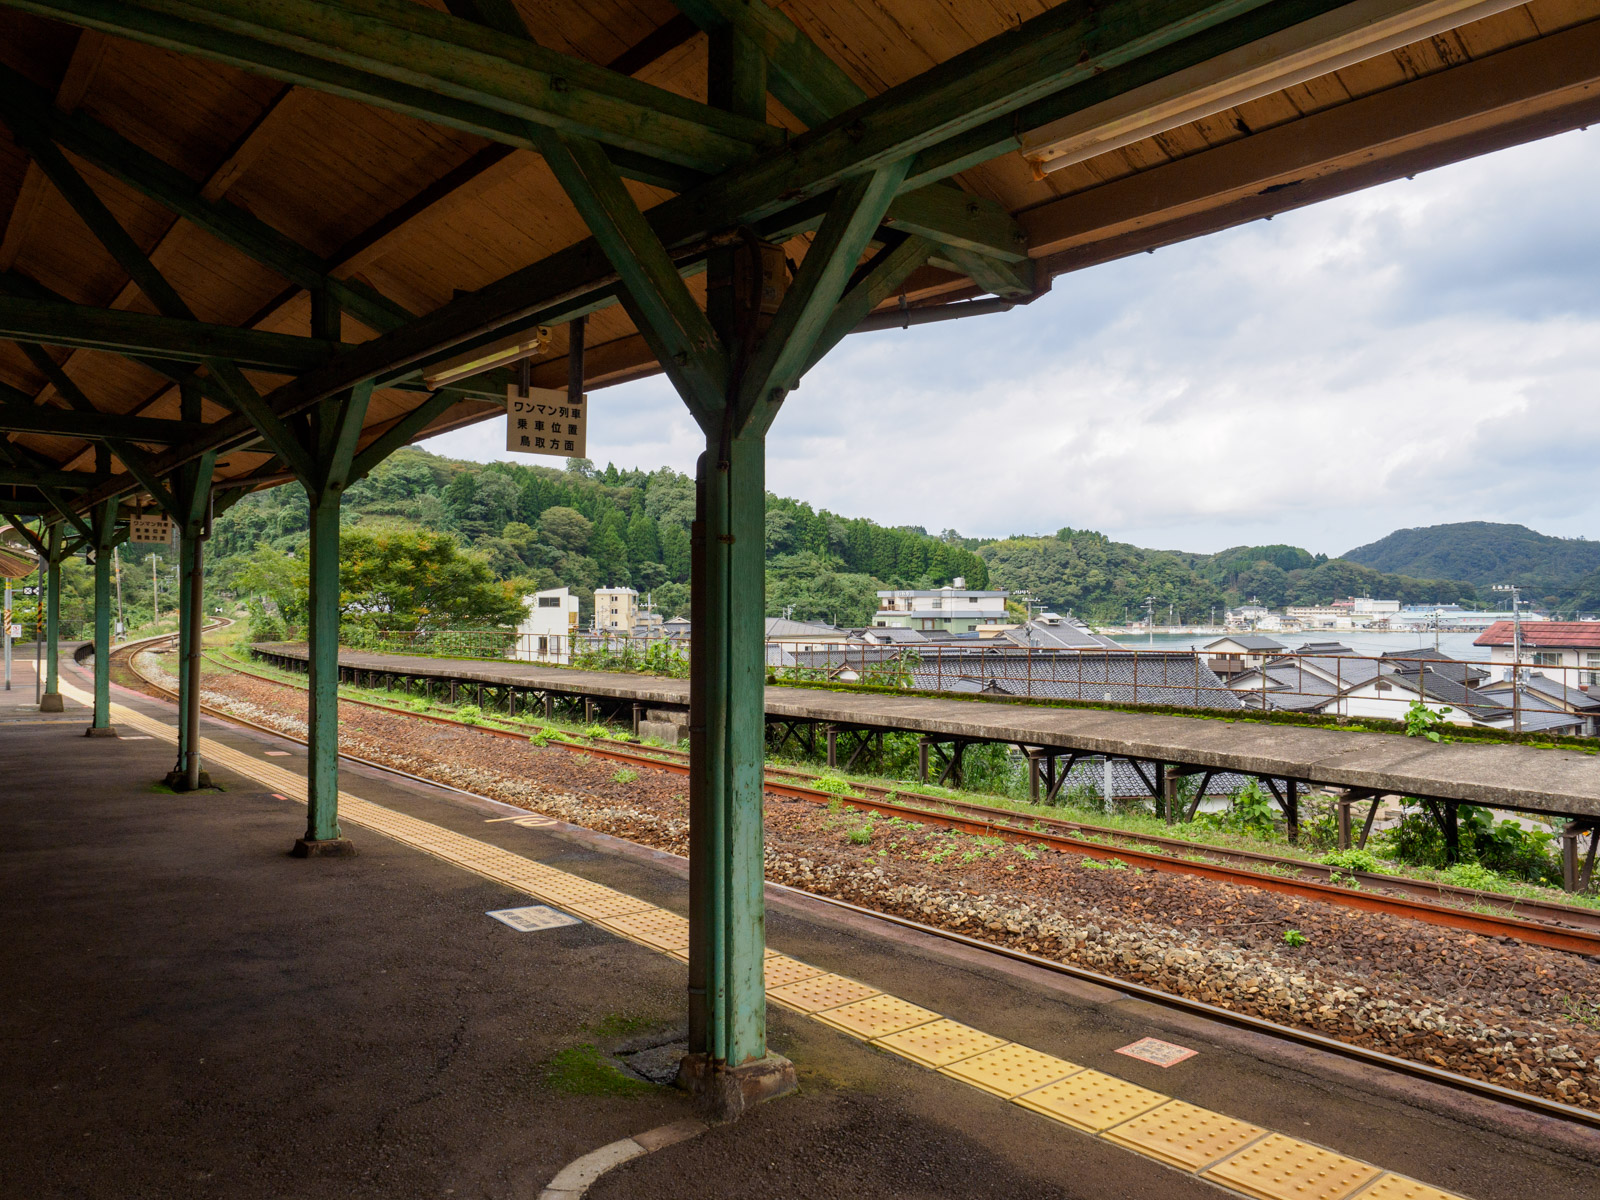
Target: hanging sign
(545,422)
(149,528)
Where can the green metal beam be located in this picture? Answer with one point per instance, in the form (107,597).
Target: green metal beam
(58,422)
(435,66)
(992,275)
(134,333)
(877,280)
(63,480)
(401,432)
(655,295)
(51,699)
(105,520)
(824,274)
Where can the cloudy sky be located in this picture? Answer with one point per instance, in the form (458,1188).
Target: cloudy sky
(1422,352)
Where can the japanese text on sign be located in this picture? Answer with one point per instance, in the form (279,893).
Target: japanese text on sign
(149,529)
(546,422)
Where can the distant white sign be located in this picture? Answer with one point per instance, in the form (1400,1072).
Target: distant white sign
(149,528)
(544,422)
(534,916)
(15,631)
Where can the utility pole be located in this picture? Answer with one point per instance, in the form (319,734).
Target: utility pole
(1516,652)
(1150,618)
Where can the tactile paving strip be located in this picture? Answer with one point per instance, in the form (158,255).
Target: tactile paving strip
(876,1016)
(825,991)
(600,907)
(1281,1168)
(1274,1168)
(783,970)
(1091,1100)
(1184,1135)
(663,930)
(1396,1187)
(1011,1070)
(939,1043)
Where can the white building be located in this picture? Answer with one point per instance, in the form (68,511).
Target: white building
(1366,606)
(951,609)
(616,610)
(546,633)
(1567,651)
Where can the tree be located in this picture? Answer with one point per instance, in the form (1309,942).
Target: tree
(675,553)
(419,580)
(566,529)
(644,546)
(610,554)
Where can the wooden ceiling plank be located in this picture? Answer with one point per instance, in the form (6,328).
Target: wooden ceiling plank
(1558,72)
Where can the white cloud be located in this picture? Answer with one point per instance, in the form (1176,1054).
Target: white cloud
(1421,352)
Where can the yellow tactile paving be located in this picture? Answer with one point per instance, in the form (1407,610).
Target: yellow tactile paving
(1091,1100)
(1281,1168)
(824,991)
(939,1043)
(783,970)
(876,1016)
(1184,1135)
(1011,1070)
(1181,1135)
(654,927)
(1397,1187)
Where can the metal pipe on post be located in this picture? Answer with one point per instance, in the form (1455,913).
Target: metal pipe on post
(51,700)
(104,522)
(7,632)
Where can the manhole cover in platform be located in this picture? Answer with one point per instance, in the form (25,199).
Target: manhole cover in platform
(534,916)
(1154,1050)
(1011,1070)
(1185,1135)
(1281,1168)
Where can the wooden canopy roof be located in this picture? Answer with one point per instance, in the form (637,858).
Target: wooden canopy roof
(179,178)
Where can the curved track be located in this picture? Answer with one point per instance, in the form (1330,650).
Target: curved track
(1450,1079)
(1557,926)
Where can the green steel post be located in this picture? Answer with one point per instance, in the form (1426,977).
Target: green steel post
(104,527)
(323,835)
(51,701)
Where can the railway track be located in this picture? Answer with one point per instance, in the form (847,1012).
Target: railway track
(1557,926)
(1393,1063)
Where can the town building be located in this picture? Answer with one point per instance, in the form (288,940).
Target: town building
(785,639)
(616,610)
(546,632)
(951,609)
(1570,648)
(1240,652)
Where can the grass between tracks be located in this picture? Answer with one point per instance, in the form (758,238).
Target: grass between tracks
(226,652)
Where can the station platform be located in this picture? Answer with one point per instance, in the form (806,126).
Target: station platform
(1548,780)
(189,1011)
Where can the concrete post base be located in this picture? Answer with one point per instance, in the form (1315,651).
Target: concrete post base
(323,848)
(724,1093)
(178,781)
(101,731)
(52,702)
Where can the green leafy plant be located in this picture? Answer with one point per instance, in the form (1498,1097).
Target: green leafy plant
(861,834)
(1353,859)
(1472,875)
(469,714)
(625,776)
(1422,721)
(835,785)
(1293,937)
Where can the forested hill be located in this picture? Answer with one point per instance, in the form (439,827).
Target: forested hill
(587,528)
(1100,580)
(1557,572)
